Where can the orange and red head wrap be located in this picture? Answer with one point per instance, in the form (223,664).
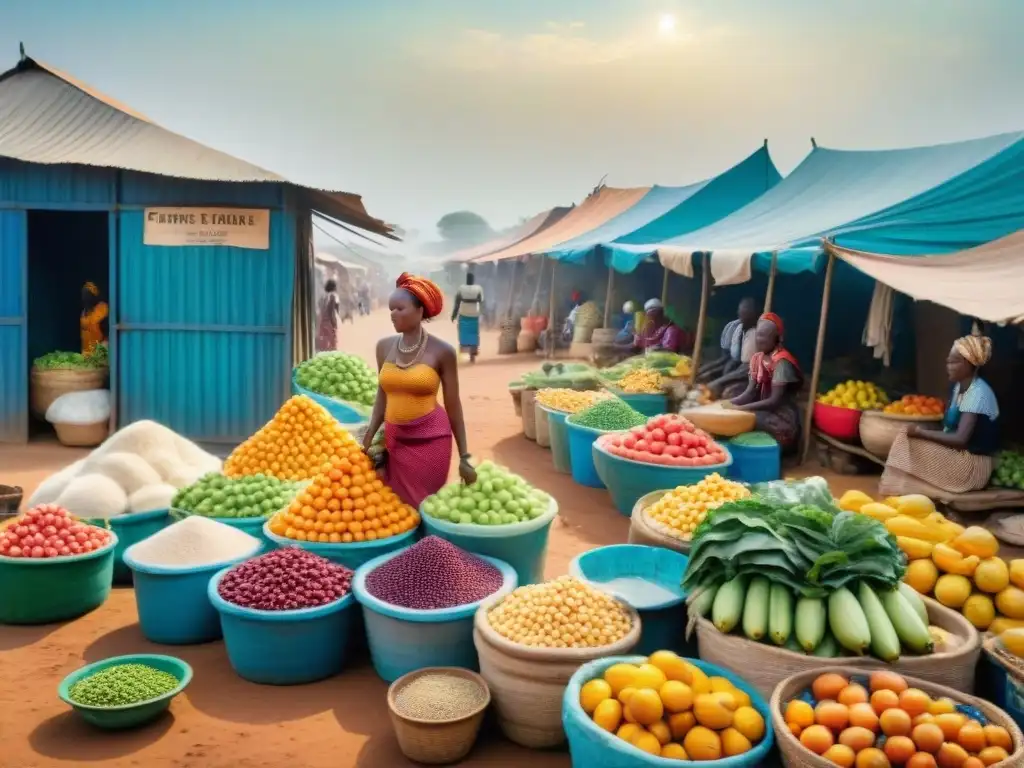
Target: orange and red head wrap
(425,291)
(775,320)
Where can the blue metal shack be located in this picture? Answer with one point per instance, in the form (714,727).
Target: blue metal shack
(202,337)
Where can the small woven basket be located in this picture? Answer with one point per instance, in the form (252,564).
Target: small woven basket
(10,501)
(434,742)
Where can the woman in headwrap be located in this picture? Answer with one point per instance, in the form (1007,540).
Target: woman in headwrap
(956,458)
(659,333)
(774,380)
(327,325)
(413,366)
(95,318)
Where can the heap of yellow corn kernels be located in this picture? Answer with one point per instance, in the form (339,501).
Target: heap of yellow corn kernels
(569,400)
(681,510)
(563,613)
(642,381)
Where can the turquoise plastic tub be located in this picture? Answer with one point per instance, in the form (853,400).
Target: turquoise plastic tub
(130,529)
(581,455)
(350,555)
(755,463)
(524,546)
(173,603)
(130,715)
(662,615)
(403,640)
(648,405)
(284,647)
(558,435)
(591,746)
(627,480)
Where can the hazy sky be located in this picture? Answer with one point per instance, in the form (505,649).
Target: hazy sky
(507,107)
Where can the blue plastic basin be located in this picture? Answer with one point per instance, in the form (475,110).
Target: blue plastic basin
(581,455)
(648,405)
(755,463)
(129,715)
(591,746)
(344,413)
(350,555)
(173,603)
(662,620)
(627,481)
(130,529)
(403,640)
(558,436)
(524,545)
(284,647)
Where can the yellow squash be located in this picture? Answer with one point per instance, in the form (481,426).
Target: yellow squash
(915,549)
(977,541)
(880,512)
(915,505)
(852,501)
(1017,572)
(949,560)
(904,525)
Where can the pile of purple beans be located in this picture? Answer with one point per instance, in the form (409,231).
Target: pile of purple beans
(433,574)
(285,580)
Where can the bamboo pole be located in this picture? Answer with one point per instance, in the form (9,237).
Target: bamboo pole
(552,331)
(819,350)
(705,289)
(609,293)
(770,293)
(664,287)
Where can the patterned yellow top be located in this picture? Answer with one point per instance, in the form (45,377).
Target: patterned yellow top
(92,331)
(412,392)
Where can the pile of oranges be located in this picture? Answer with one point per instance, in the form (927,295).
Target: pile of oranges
(294,445)
(916,405)
(345,503)
(887,723)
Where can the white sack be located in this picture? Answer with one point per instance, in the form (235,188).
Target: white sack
(52,487)
(152,497)
(80,408)
(129,471)
(94,496)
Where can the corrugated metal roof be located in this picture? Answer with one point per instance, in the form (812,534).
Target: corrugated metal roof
(48,117)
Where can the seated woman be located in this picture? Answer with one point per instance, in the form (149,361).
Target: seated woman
(659,333)
(727,376)
(774,379)
(625,336)
(956,458)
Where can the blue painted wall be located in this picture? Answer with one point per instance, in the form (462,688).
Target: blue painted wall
(13,356)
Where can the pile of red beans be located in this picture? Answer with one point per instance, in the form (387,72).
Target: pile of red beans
(285,580)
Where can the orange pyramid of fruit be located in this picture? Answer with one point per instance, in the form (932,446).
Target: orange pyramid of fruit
(346,503)
(296,444)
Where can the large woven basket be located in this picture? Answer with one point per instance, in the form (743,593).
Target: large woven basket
(643,531)
(541,425)
(433,742)
(526,342)
(766,665)
(529,400)
(507,340)
(49,384)
(878,430)
(795,755)
(82,435)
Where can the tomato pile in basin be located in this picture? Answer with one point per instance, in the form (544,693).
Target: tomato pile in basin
(669,439)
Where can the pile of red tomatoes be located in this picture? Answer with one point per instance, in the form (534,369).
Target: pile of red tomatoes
(50,531)
(668,439)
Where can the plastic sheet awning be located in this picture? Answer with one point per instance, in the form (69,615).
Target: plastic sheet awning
(527,229)
(917,200)
(666,212)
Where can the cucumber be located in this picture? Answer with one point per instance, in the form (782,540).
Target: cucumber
(885,643)
(916,602)
(755,608)
(809,622)
(728,605)
(701,606)
(780,614)
(828,648)
(912,632)
(847,621)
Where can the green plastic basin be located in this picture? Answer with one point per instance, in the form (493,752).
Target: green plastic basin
(130,715)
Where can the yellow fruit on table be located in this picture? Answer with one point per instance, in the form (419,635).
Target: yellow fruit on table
(952,590)
(714,710)
(672,665)
(976,540)
(1013,641)
(620,676)
(921,576)
(608,715)
(593,693)
(676,696)
(734,743)
(749,722)
(881,512)
(915,549)
(992,575)
(703,744)
(852,501)
(674,751)
(1003,624)
(904,525)
(1017,572)
(915,505)
(1010,603)
(950,560)
(979,610)
(645,706)
(647,742)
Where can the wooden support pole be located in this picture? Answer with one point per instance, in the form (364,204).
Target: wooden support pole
(552,330)
(819,350)
(705,289)
(608,296)
(770,293)
(512,290)
(664,287)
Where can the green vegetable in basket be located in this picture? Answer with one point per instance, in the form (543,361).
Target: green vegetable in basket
(214,495)
(339,375)
(122,685)
(754,440)
(54,361)
(612,415)
(498,497)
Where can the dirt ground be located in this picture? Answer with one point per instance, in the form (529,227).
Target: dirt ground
(221,720)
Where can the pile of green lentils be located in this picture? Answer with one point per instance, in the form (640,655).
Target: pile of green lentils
(122,685)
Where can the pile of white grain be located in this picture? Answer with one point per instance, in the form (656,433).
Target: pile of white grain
(193,542)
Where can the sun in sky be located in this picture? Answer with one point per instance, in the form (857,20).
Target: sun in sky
(667,25)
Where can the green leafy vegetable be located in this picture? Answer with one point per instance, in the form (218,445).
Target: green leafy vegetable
(53,361)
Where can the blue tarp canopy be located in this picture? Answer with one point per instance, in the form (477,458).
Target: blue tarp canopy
(906,202)
(671,211)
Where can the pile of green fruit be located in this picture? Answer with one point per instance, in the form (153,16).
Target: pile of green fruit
(498,497)
(338,375)
(214,495)
(612,415)
(1009,472)
(54,361)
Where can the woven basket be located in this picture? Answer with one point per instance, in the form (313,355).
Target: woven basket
(878,430)
(47,385)
(507,340)
(767,665)
(795,755)
(603,336)
(1014,665)
(517,399)
(527,684)
(582,334)
(529,413)
(719,421)
(82,435)
(542,426)
(10,501)
(642,531)
(526,342)
(433,742)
